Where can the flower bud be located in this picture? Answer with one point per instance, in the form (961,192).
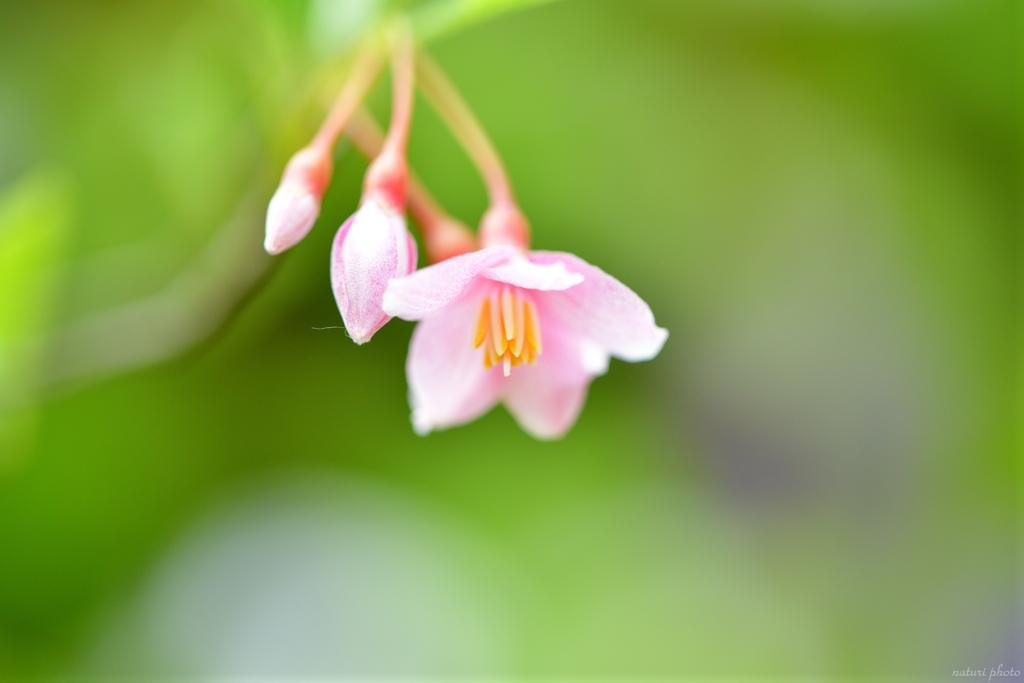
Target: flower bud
(387,179)
(372,247)
(447,239)
(295,205)
(504,224)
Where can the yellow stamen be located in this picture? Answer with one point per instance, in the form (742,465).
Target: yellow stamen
(481,325)
(532,326)
(508,329)
(520,340)
(507,316)
(497,334)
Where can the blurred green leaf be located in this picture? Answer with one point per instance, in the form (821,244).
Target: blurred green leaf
(34,219)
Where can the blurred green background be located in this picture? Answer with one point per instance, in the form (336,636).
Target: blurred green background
(819,476)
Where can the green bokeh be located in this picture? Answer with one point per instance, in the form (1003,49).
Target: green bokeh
(819,475)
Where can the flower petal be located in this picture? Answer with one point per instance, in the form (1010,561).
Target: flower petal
(546,398)
(522,273)
(430,289)
(603,310)
(448,384)
(371,247)
(412,253)
(290,216)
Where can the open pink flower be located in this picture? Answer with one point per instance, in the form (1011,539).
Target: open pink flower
(529,329)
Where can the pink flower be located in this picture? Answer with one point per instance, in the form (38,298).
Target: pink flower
(529,329)
(371,247)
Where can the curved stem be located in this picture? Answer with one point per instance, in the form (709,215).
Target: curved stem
(364,73)
(387,177)
(441,232)
(444,97)
(368,138)
(403,83)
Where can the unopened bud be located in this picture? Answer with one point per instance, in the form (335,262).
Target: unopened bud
(504,224)
(372,247)
(447,239)
(386,180)
(295,205)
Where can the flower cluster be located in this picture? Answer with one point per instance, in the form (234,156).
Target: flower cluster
(497,321)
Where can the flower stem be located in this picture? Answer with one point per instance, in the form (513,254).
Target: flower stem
(387,177)
(445,98)
(364,73)
(443,235)
(403,83)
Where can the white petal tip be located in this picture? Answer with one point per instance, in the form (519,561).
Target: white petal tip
(273,247)
(662,337)
(360,339)
(290,216)
(364,332)
(648,350)
(593,358)
(542,434)
(421,424)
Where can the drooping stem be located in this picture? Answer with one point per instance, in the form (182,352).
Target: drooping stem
(445,98)
(368,138)
(364,73)
(443,235)
(403,83)
(387,177)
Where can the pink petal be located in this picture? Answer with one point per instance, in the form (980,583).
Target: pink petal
(430,289)
(522,273)
(412,253)
(546,398)
(371,247)
(290,216)
(603,310)
(448,384)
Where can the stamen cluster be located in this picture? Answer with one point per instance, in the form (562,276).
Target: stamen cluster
(509,329)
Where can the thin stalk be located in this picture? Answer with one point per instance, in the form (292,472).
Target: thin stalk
(387,177)
(364,73)
(403,83)
(439,229)
(445,98)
